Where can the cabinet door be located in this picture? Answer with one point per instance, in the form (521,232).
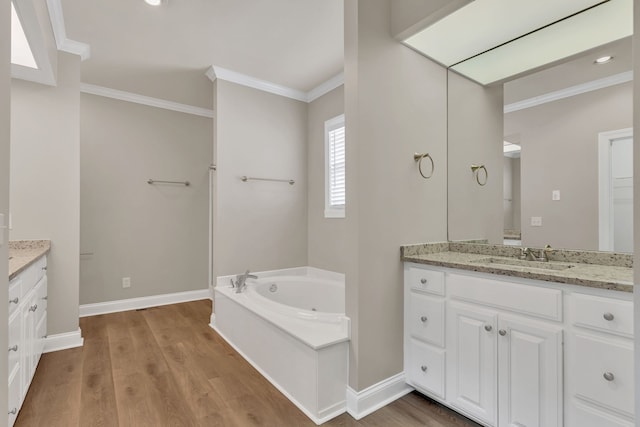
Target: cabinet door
(28,329)
(471,361)
(530,373)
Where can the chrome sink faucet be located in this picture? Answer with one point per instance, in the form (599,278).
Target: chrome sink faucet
(527,253)
(241,281)
(543,255)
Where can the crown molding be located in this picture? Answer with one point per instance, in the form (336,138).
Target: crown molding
(326,87)
(616,79)
(144,100)
(214,72)
(63,43)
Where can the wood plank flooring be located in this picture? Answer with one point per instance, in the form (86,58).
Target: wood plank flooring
(165,366)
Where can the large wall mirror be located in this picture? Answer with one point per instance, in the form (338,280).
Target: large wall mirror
(555,135)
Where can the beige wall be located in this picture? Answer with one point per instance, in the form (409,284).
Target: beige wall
(326,247)
(45,181)
(475,137)
(5,95)
(259,225)
(560,152)
(395,103)
(408,16)
(154,234)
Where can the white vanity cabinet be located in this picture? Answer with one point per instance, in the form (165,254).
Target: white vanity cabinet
(27,330)
(516,352)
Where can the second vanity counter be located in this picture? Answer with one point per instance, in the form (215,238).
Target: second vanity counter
(584,268)
(23,253)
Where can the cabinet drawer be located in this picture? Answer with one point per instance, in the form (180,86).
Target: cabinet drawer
(14,341)
(426,368)
(425,319)
(426,280)
(584,416)
(14,397)
(603,314)
(603,373)
(14,294)
(524,299)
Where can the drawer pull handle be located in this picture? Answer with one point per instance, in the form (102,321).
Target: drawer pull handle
(13,411)
(423,319)
(423,281)
(502,332)
(424,368)
(44,268)
(33,307)
(14,348)
(488,328)
(15,300)
(608,376)
(608,316)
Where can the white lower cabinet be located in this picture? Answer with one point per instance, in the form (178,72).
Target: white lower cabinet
(27,331)
(545,360)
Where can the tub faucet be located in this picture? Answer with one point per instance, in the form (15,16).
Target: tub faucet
(241,281)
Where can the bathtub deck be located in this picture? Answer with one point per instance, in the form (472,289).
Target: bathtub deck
(165,366)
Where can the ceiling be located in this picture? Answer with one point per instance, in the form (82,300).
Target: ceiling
(165,51)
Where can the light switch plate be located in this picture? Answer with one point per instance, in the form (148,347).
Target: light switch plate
(555,195)
(536,221)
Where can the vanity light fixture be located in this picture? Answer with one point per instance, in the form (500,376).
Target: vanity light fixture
(153,2)
(603,60)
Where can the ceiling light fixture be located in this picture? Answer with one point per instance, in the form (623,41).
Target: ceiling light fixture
(603,59)
(153,2)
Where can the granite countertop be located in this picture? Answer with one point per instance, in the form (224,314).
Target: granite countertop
(23,253)
(604,270)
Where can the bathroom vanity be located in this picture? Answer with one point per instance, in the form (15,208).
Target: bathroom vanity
(27,316)
(507,341)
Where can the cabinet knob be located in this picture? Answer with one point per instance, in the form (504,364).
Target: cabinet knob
(423,281)
(423,319)
(488,328)
(608,376)
(15,300)
(13,411)
(44,268)
(502,332)
(33,307)
(14,348)
(424,368)
(608,316)
(45,297)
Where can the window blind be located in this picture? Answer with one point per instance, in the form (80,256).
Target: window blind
(336,165)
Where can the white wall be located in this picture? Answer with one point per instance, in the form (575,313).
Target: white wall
(259,225)
(326,246)
(5,96)
(154,234)
(560,152)
(45,181)
(395,105)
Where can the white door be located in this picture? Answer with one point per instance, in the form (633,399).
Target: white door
(622,193)
(530,373)
(471,361)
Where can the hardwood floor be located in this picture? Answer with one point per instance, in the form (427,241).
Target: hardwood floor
(165,366)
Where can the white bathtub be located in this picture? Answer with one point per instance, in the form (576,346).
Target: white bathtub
(290,325)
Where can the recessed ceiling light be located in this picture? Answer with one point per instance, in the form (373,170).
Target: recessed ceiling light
(603,59)
(154,2)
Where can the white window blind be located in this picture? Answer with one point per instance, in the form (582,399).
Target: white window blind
(335,167)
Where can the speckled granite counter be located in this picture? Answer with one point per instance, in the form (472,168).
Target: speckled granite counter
(603,270)
(22,253)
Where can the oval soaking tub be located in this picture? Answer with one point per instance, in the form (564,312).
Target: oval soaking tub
(290,325)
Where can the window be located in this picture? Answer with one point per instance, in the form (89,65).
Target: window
(334,145)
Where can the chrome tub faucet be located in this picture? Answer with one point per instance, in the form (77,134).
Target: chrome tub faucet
(241,281)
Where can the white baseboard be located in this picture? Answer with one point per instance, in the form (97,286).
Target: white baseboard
(63,341)
(362,403)
(142,302)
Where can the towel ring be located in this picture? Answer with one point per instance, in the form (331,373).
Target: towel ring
(475,169)
(418,158)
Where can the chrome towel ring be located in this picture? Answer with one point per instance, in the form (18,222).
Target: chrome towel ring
(475,169)
(418,158)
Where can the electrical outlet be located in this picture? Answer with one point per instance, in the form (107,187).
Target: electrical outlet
(536,221)
(126,282)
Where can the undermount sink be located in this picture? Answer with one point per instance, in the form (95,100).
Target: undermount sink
(540,265)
